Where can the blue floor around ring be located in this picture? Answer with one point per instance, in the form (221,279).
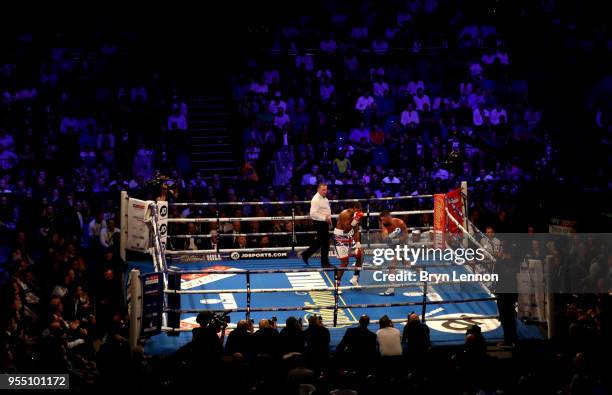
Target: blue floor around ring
(449,331)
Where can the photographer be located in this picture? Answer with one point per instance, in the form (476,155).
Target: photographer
(206,341)
(168,189)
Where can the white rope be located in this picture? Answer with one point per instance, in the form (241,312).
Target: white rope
(284,217)
(270,249)
(415,284)
(333,307)
(405,197)
(310,232)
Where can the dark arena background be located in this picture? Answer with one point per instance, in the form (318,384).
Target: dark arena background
(232,198)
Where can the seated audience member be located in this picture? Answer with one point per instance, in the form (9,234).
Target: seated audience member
(317,342)
(291,338)
(358,345)
(415,337)
(388,338)
(240,340)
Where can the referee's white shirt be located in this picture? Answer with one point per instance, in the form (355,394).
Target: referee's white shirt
(319,208)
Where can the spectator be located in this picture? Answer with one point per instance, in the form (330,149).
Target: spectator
(415,338)
(177,120)
(109,235)
(358,344)
(240,340)
(491,243)
(317,342)
(342,164)
(311,178)
(421,99)
(266,338)
(365,102)
(358,133)
(391,178)
(409,116)
(377,136)
(281,119)
(388,338)
(291,338)
(94,229)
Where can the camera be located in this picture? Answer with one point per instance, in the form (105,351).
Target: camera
(211,319)
(220,320)
(158,180)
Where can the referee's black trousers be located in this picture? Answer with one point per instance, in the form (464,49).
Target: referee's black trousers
(322,242)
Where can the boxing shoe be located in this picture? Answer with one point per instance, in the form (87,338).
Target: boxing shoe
(388,292)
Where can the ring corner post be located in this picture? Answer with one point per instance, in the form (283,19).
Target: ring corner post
(424,305)
(464,209)
(336,296)
(174,302)
(368,221)
(125,198)
(135,307)
(293,238)
(248,295)
(439,220)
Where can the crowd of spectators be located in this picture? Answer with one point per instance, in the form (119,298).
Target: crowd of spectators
(74,113)
(339,107)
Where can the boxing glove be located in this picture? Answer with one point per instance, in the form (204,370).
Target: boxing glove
(357,215)
(358,250)
(395,233)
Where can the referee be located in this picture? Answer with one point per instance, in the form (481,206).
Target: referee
(320,213)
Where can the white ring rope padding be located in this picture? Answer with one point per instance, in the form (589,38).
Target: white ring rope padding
(271,249)
(310,232)
(318,289)
(284,217)
(333,307)
(405,197)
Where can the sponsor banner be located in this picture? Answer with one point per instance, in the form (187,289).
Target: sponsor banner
(197,258)
(189,281)
(439,220)
(461,322)
(138,232)
(455,207)
(152,303)
(258,255)
(561,226)
(162,210)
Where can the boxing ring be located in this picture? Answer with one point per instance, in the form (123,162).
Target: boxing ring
(274,283)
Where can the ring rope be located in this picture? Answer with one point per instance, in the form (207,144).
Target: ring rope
(233,325)
(283,217)
(310,232)
(302,270)
(317,289)
(383,199)
(331,307)
(267,249)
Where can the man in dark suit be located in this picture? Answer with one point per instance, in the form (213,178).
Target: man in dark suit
(192,243)
(358,345)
